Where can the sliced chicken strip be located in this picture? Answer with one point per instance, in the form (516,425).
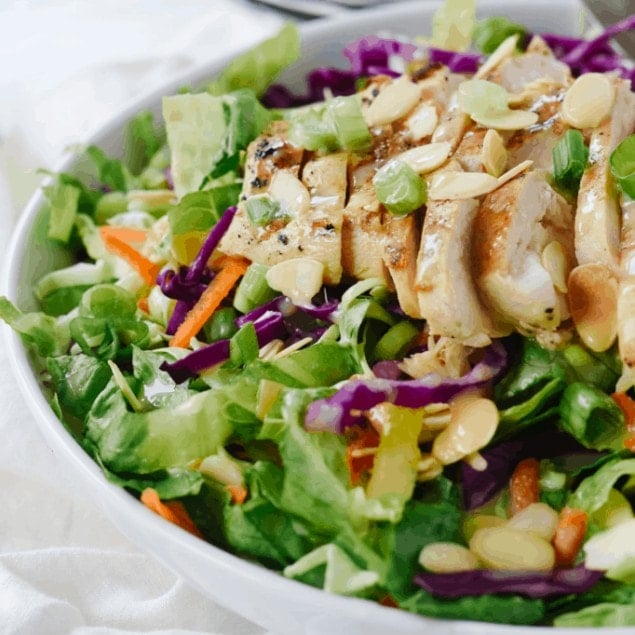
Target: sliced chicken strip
(447,295)
(377,244)
(314,232)
(626,287)
(268,153)
(513,226)
(597,223)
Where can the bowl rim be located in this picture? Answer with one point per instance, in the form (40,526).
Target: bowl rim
(82,464)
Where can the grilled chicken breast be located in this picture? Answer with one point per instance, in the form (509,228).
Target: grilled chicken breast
(513,226)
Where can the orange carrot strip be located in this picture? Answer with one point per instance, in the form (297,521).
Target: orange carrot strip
(627,406)
(569,536)
(174,511)
(524,485)
(147,269)
(127,234)
(142,305)
(358,464)
(238,493)
(219,287)
(629,444)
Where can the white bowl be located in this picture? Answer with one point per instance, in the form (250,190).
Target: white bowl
(258,594)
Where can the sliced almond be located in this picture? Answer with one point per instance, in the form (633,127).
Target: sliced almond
(507,119)
(290,192)
(512,173)
(588,101)
(554,260)
(494,153)
(504,50)
(447,557)
(593,292)
(422,122)
(427,157)
(472,427)
(298,278)
(395,101)
(537,518)
(508,549)
(460,185)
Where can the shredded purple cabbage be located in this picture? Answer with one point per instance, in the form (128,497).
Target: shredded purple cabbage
(456,62)
(339,411)
(387,369)
(179,287)
(188,285)
(269,326)
(367,56)
(531,584)
(479,487)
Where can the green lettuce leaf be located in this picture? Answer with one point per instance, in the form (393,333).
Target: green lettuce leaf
(594,491)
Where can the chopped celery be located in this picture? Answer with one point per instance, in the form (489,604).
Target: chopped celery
(253,289)
(395,342)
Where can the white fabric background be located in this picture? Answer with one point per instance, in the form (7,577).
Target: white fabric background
(65,68)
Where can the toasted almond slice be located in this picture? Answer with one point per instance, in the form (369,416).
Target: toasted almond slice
(426,158)
(554,260)
(459,185)
(505,49)
(422,122)
(588,101)
(447,557)
(494,154)
(514,172)
(393,102)
(593,292)
(290,192)
(472,427)
(508,119)
(298,278)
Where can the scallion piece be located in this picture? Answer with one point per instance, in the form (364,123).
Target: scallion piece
(399,188)
(350,126)
(490,33)
(623,165)
(253,289)
(395,342)
(569,161)
(262,210)
(221,326)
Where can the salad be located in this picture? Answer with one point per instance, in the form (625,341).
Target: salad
(377,337)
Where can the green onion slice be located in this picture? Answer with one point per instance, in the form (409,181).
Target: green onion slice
(263,210)
(623,165)
(399,188)
(569,161)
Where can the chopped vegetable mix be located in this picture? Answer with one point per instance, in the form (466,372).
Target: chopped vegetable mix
(376,337)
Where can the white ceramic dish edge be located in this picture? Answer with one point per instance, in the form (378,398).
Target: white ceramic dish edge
(258,594)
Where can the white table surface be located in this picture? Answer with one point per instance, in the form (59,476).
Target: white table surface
(66,67)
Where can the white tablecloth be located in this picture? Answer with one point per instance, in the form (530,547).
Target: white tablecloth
(65,68)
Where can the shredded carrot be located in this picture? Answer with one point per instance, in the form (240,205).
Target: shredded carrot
(174,511)
(238,493)
(569,535)
(142,305)
(388,600)
(147,269)
(524,485)
(233,268)
(627,406)
(127,234)
(359,462)
(629,444)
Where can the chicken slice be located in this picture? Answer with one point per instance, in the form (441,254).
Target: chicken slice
(626,288)
(267,154)
(314,232)
(513,226)
(597,223)
(377,244)
(447,295)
